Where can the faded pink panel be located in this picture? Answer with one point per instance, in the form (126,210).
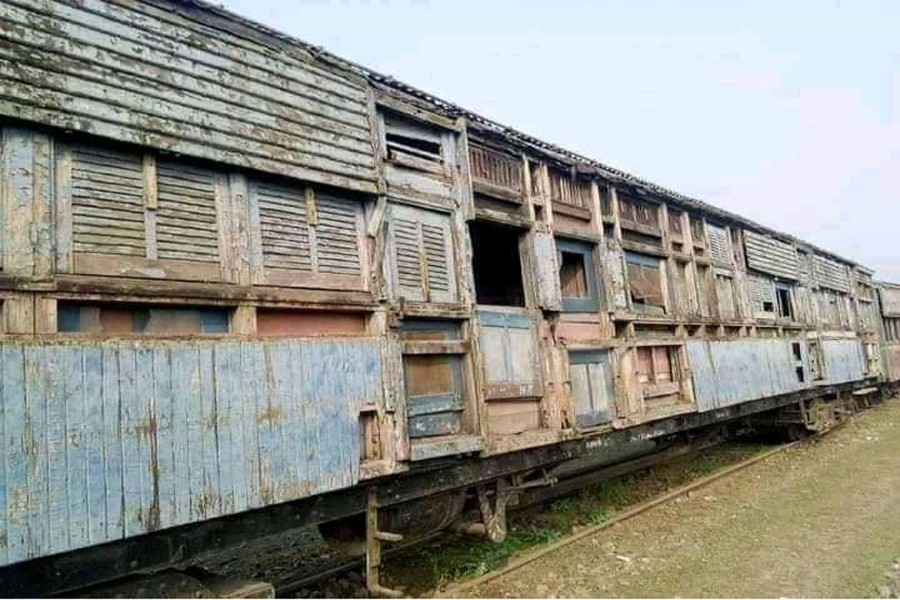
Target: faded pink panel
(578,332)
(279,322)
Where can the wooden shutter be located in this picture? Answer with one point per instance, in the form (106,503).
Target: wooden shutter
(187,223)
(421,255)
(831,274)
(769,255)
(283,223)
(338,236)
(509,352)
(591,379)
(308,238)
(107,202)
(719,245)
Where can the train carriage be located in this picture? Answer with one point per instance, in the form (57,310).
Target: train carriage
(248,285)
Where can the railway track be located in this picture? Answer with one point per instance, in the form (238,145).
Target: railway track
(307,581)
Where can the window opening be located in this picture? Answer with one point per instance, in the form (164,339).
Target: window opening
(113,319)
(577,278)
(645,283)
(783,296)
(497,264)
(797,351)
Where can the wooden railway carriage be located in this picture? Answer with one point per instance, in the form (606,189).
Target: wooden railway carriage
(242,278)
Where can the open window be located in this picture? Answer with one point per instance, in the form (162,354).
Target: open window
(725,294)
(645,283)
(577,276)
(816,361)
(497,264)
(413,144)
(797,355)
(149,320)
(783,300)
(659,374)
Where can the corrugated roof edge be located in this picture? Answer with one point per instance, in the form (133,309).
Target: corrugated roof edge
(452,110)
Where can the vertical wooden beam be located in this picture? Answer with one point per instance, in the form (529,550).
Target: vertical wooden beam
(614,205)
(151,204)
(44,314)
(243,320)
(42,206)
(17,184)
(18,314)
(63,208)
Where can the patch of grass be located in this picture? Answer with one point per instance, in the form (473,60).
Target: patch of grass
(460,557)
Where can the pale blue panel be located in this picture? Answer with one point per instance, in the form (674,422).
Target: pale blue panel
(94,444)
(70,393)
(185,424)
(284,424)
(36,440)
(135,487)
(255,394)
(269,425)
(209,500)
(843,360)
(18,432)
(166,483)
(45,388)
(727,372)
(228,385)
(112,443)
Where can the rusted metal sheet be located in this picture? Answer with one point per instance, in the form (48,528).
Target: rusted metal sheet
(844,360)
(771,256)
(109,440)
(728,372)
(136,72)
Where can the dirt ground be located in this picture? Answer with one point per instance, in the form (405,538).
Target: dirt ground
(821,519)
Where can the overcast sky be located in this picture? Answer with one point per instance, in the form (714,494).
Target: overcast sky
(785,112)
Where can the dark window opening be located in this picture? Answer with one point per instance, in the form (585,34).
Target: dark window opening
(577,278)
(572,275)
(795,348)
(799,371)
(496,264)
(113,319)
(645,283)
(401,144)
(768,306)
(783,295)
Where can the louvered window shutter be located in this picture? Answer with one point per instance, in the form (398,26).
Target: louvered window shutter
(422,255)
(186,218)
(107,202)
(309,238)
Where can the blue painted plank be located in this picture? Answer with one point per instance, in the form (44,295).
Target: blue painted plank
(182,372)
(253,375)
(291,468)
(134,463)
(19,434)
(209,502)
(227,374)
(45,388)
(268,417)
(112,443)
(71,395)
(94,443)
(167,483)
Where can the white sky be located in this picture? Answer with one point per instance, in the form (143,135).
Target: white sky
(785,112)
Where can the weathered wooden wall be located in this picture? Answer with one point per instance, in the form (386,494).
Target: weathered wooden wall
(199,89)
(844,360)
(108,440)
(731,371)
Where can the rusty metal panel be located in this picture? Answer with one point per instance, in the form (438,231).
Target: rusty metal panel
(728,372)
(109,440)
(140,73)
(771,256)
(844,360)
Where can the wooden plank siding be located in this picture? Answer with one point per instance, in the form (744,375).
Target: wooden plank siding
(191,89)
(123,438)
